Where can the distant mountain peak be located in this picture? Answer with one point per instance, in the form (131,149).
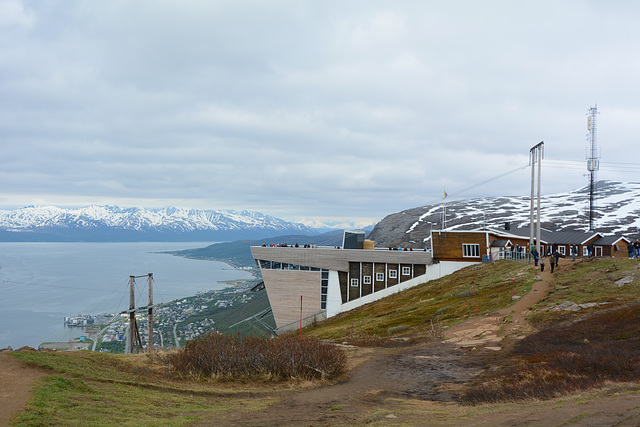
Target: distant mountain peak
(108,222)
(618,211)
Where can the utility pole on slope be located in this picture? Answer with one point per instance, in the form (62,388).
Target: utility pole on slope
(150,315)
(535,156)
(134,332)
(132,314)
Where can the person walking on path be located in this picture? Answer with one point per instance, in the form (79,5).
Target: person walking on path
(535,254)
(556,256)
(631,249)
(636,245)
(574,251)
(552,262)
(542,264)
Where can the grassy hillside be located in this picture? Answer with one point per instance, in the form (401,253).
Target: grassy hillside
(87,388)
(413,313)
(587,336)
(597,343)
(231,320)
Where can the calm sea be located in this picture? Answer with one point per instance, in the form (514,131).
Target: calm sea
(41,283)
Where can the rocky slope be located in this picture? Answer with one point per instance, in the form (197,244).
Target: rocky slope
(618,212)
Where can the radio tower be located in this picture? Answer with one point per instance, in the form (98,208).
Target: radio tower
(593,164)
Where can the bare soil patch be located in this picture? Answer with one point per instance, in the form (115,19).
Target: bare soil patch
(413,385)
(17,380)
(419,385)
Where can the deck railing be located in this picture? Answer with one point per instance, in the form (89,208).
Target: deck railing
(523,257)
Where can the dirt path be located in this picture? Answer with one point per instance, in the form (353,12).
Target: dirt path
(417,385)
(403,386)
(431,372)
(17,380)
(485,330)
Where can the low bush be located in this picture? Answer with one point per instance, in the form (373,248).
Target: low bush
(603,347)
(234,357)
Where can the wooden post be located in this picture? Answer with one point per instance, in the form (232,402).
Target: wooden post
(475,298)
(150,315)
(300,315)
(132,314)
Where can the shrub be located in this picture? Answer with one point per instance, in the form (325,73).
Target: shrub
(234,357)
(603,347)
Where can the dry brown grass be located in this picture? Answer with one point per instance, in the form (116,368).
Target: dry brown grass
(601,348)
(232,357)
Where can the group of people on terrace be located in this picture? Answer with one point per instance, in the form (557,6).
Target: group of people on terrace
(284,245)
(396,248)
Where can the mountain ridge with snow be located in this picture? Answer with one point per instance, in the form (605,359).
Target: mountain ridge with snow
(114,223)
(617,212)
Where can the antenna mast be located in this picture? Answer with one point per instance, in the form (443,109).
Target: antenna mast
(593,164)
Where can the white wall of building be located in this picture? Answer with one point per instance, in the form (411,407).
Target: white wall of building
(334,298)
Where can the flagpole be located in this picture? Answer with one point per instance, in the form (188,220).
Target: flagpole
(444,211)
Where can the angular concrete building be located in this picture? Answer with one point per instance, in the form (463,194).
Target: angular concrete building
(307,284)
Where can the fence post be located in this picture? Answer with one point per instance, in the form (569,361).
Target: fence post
(475,298)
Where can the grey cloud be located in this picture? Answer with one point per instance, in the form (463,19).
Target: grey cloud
(306,109)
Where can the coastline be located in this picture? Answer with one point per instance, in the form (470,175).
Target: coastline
(45,282)
(94,333)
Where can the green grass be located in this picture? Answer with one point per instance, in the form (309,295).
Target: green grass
(572,350)
(590,281)
(62,401)
(225,317)
(447,300)
(87,388)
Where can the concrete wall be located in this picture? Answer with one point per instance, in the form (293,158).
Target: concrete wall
(337,259)
(284,289)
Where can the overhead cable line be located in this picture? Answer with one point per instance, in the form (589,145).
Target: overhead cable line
(579,164)
(99,304)
(471,187)
(61,287)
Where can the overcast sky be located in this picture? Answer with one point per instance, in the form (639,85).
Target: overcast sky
(308,110)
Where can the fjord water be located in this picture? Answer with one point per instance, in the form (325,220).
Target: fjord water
(41,283)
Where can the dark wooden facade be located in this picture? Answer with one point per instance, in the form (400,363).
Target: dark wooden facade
(457,245)
(448,245)
(364,278)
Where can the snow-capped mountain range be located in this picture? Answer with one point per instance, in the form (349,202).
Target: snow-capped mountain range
(113,223)
(618,212)
(617,203)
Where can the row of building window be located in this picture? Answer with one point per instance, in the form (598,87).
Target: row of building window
(393,274)
(274,265)
(472,250)
(324,288)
